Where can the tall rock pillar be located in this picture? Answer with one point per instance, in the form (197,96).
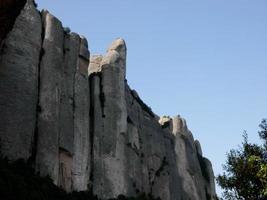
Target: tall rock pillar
(19,60)
(109,134)
(188,162)
(81,155)
(51,68)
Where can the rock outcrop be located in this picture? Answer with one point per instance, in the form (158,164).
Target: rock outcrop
(19,61)
(75,118)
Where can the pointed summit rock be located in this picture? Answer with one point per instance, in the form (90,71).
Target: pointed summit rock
(119,46)
(116,56)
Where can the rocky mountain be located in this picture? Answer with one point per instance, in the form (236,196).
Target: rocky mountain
(74,117)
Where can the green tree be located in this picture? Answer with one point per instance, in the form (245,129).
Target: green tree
(245,171)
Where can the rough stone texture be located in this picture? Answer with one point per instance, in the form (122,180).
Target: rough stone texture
(96,130)
(166,122)
(108,178)
(19,60)
(65,172)
(51,68)
(198,147)
(63,148)
(96,118)
(71,49)
(151,162)
(95,62)
(195,171)
(210,183)
(88,129)
(81,163)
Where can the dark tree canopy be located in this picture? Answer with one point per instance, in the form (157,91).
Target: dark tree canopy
(245,170)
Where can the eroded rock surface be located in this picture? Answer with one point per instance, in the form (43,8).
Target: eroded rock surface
(19,61)
(110,121)
(47,162)
(76,119)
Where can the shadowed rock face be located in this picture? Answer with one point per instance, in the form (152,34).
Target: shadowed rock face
(19,61)
(76,119)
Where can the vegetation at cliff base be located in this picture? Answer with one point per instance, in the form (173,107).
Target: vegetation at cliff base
(19,182)
(245,171)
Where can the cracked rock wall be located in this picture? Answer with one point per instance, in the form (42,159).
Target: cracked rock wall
(75,118)
(19,62)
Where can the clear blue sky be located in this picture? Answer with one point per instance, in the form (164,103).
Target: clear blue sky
(205,60)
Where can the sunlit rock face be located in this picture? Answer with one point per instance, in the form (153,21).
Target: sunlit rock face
(74,117)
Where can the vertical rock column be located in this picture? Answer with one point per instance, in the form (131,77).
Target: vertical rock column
(19,60)
(109,136)
(188,164)
(47,162)
(66,114)
(136,151)
(174,183)
(71,49)
(207,173)
(63,121)
(81,158)
(96,125)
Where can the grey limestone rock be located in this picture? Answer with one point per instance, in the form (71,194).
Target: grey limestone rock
(166,122)
(63,149)
(96,177)
(151,162)
(51,67)
(66,112)
(71,48)
(84,52)
(109,131)
(155,155)
(81,158)
(198,147)
(95,64)
(188,164)
(80,122)
(19,60)
(208,177)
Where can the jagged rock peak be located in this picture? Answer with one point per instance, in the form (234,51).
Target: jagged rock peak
(119,45)
(166,122)
(198,147)
(179,125)
(115,53)
(164,119)
(51,33)
(30,3)
(84,52)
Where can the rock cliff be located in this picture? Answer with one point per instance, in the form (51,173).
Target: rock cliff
(74,117)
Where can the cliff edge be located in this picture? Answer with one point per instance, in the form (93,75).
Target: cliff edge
(74,117)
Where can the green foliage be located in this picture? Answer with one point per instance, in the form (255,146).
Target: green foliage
(19,182)
(245,171)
